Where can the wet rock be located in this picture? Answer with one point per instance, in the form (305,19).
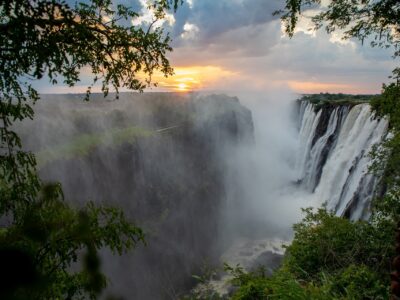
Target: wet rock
(268,259)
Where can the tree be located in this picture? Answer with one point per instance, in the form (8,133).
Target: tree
(359,19)
(50,38)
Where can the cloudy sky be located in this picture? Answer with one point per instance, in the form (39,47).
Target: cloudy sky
(239,45)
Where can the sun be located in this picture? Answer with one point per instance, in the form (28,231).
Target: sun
(182,87)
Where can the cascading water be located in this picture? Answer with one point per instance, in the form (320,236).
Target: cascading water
(309,123)
(333,159)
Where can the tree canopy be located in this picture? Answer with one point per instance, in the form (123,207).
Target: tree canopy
(366,20)
(359,18)
(49,38)
(41,236)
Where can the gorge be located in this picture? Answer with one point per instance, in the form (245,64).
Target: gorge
(203,175)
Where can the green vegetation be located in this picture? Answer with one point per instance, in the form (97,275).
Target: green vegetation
(387,155)
(323,99)
(337,98)
(388,104)
(355,282)
(48,249)
(38,252)
(324,242)
(84,144)
(330,258)
(377,20)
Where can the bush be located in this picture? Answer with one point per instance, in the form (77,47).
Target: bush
(324,242)
(330,258)
(359,282)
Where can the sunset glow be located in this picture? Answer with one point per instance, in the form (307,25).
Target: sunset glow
(193,78)
(182,87)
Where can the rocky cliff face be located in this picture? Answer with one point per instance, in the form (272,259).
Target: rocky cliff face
(168,176)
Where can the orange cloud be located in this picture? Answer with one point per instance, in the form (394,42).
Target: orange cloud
(193,78)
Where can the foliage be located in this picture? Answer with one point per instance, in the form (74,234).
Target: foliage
(388,104)
(204,289)
(386,161)
(252,285)
(336,98)
(357,18)
(351,259)
(54,236)
(42,238)
(49,38)
(355,282)
(281,285)
(359,282)
(325,242)
(322,99)
(386,156)
(330,258)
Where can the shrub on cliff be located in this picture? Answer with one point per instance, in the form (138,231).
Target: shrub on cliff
(330,258)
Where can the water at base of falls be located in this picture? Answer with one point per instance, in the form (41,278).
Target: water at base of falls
(248,254)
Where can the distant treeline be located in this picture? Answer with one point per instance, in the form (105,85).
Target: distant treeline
(341,98)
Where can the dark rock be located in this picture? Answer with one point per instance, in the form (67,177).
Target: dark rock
(269,260)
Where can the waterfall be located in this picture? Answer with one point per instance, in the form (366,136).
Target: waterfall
(309,123)
(333,155)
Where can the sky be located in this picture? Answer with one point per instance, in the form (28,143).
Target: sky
(228,45)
